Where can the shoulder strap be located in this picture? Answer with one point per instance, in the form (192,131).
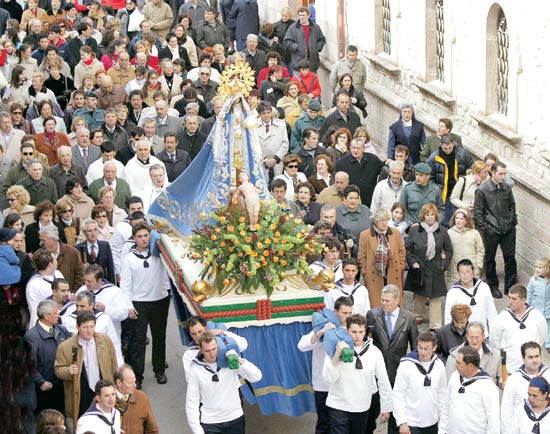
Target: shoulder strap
(463,187)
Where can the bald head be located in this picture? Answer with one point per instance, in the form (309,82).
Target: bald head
(109,171)
(341,181)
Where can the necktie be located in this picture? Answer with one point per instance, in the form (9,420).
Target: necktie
(173,158)
(92,253)
(51,331)
(136,114)
(389,325)
(267,128)
(85,156)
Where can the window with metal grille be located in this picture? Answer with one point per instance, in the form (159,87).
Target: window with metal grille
(386,21)
(440,41)
(503,43)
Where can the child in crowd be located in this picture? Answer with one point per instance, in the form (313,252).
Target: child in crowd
(538,292)
(9,264)
(398,218)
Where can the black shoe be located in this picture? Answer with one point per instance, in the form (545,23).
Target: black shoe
(496,293)
(166,365)
(161,378)
(138,384)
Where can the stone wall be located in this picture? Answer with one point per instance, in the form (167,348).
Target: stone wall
(520,138)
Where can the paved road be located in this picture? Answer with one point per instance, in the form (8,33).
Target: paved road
(169,400)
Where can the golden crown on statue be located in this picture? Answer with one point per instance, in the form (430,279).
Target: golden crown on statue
(236,79)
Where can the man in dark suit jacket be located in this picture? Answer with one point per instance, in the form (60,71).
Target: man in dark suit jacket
(394,332)
(175,160)
(94,251)
(190,139)
(122,189)
(82,146)
(128,152)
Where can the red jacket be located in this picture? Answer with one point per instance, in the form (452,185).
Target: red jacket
(308,84)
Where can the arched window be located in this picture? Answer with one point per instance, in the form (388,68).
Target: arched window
(497,49)
(382,14)
(435,41)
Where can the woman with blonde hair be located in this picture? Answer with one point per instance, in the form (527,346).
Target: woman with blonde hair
(106,197)
(70,224)
(18,200)
(464,191)
(382,256)
(429,252)
(288,105)
(467,244)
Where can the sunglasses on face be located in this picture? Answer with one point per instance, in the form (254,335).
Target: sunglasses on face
(292,166)
(12,199)
(17,113)
(27,154)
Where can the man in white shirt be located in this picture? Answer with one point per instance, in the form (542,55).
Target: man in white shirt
(137,169)
(420,389)
(348,286)
(197,326)
(533,416)
(85,301)
(60,294)
(108,297)
(351,385)
(473,398)
(517,324)
(102,417)
(145,281)
(39,286)
(159,181)
(473,292)
(212,403)
(108,152)
(312,342)
(516,388)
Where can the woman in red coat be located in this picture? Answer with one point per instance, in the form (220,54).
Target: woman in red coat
(50,141)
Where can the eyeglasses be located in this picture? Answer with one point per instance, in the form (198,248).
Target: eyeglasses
(63,211)
(204,73)
(12,199)
(27,154)
(101,216)
(16,113)
(292,166)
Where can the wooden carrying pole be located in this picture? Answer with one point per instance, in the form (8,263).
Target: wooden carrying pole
(503,366)
(76,401)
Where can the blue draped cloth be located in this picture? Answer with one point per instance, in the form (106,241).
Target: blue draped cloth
(208,181)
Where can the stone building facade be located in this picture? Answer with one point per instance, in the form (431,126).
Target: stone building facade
(483,64)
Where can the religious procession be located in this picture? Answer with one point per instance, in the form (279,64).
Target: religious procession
(195,178)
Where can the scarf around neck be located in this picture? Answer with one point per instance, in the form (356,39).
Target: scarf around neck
(430,250)
(383,251)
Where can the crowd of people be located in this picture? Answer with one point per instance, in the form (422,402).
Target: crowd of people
(104,105)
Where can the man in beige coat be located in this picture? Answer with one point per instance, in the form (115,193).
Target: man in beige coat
(95,360)
(161,16)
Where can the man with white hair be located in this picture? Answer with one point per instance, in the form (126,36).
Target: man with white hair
(94,251)
(387,191)
(164,122)
(151,136)
(110,177)
(254,57)
(159,181)
(61,172)
(137,169)
(39,187)
(68,257)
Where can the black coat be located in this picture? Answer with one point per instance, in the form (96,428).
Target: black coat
(73,50)
(307,167)
(125,154)
(104,258)
(429,280)
(335,118)
(403,339)
(363,174)
(191,144)
(495,209)
(174,168)
(280,31)
(119,136)
(448,337)
(32,236)
(165,53)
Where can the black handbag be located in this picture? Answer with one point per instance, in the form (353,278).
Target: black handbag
(416,277)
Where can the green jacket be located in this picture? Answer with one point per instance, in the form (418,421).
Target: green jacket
(303,122)
(45,190)
(17,173)
(122,191)
(433,142)
(415,197)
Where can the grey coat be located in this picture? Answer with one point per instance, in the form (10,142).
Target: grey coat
(432,282)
